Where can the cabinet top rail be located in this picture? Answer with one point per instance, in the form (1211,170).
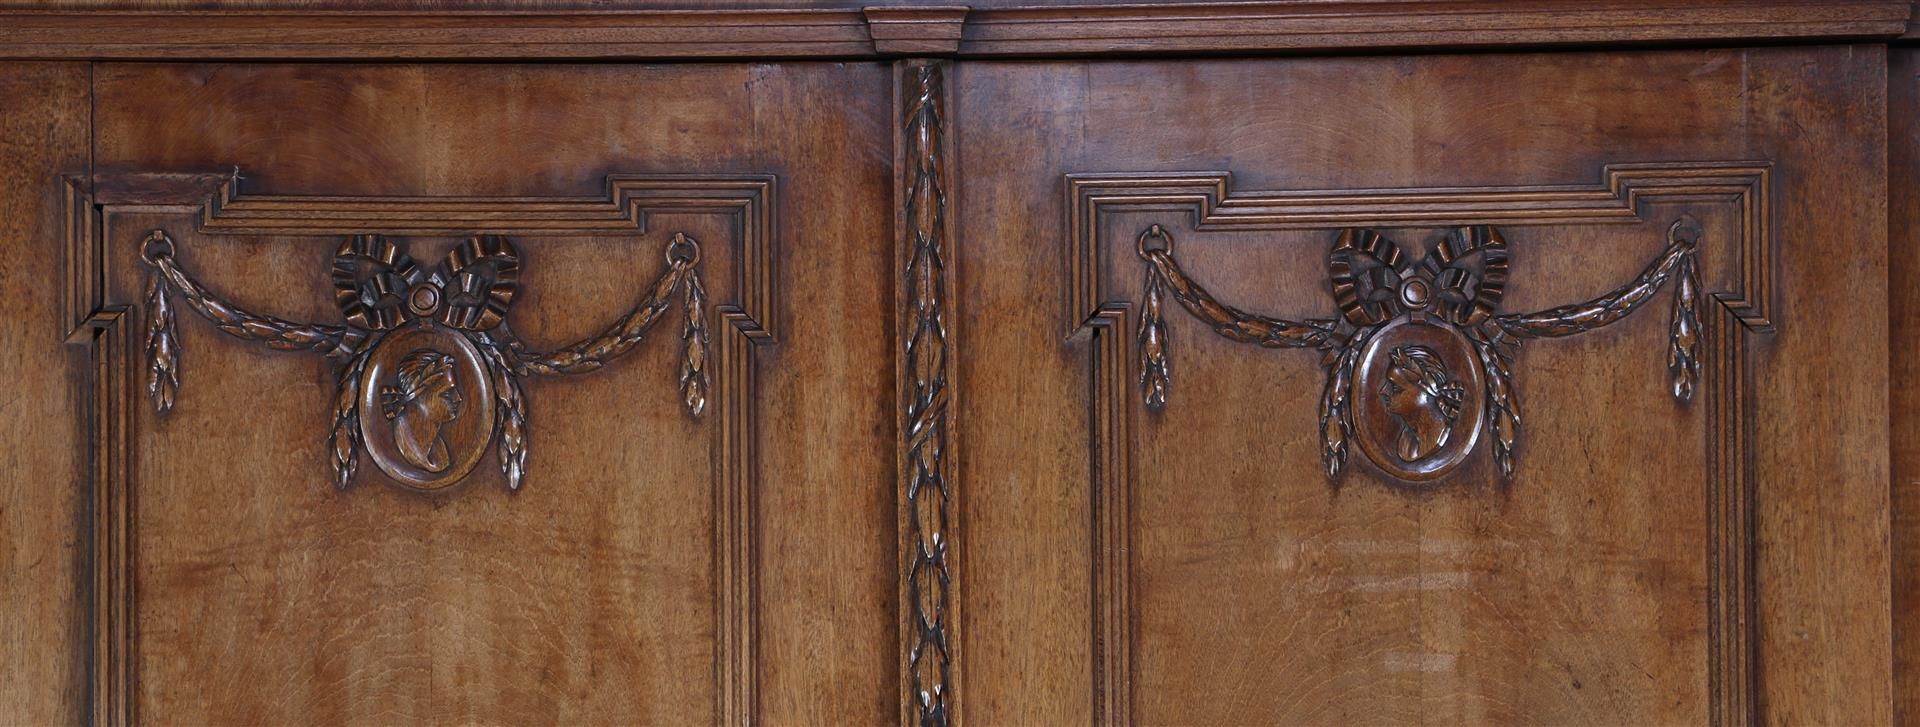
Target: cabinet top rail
(634,30)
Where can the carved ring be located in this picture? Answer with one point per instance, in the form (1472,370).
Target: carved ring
(683,250)
(156,246)
(1157,232)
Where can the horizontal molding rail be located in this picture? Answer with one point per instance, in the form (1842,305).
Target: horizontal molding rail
(409,30)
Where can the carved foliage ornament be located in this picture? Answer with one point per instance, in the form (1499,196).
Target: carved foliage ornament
(1419,365)
(925,361)
(430,372)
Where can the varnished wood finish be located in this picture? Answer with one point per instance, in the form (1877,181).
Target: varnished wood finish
(1903,405)
(44,502)
(930,631)
(916,30)
(244,30)
(961,437)
(1238,565)
(667,552)
(1308,25)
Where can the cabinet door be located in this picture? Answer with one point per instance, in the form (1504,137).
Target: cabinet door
(497,394)
(1504,389)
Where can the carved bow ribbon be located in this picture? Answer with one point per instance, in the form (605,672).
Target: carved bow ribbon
(1375,281)
(379,286)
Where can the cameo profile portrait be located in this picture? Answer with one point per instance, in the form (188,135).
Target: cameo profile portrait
(423,398)
(1418,398)
(426,414)
(1423,399)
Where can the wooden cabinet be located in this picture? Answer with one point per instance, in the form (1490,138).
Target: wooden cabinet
(1268,363)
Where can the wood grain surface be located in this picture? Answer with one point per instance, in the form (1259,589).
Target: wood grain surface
(505,29)
(1580,591)
(1903,405)
(43,134)
(377,605)
(928,487)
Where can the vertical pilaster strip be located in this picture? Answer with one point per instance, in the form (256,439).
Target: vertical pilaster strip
(1733,660)
(924,366)
(110,675)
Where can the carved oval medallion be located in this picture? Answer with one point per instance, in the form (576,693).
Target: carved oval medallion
(426,406)
(1418,397)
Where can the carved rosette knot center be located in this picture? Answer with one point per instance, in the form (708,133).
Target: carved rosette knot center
(424,300)
(1414,293)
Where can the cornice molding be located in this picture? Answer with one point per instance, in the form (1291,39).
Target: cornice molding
(916,30)
(414,31)
(1305,25)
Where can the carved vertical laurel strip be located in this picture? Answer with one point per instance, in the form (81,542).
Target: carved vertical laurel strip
(1336,412)
(513,413)
(693,335)
(1156,368)
(925,365)
(1503,406)
(163,345)
(1683,359)
(345,440)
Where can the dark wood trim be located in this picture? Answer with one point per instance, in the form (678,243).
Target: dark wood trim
(1903,406)
(917,31)
(430,35)
(112,675)
(1213,203)
(1913,27)
(924,29)
(1309,25)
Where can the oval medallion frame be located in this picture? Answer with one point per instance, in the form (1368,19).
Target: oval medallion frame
(464,437)
(1394,414)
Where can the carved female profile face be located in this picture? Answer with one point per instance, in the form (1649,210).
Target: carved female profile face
(422,401)
(1423,399)
(425,405)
